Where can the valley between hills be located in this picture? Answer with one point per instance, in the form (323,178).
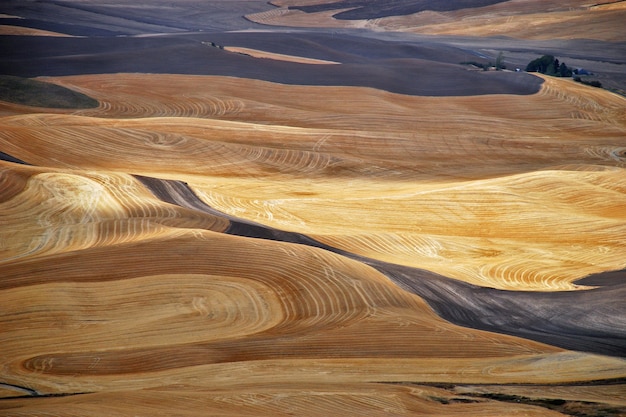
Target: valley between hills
(311,208)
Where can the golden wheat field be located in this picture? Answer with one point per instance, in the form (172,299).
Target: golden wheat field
(229,245)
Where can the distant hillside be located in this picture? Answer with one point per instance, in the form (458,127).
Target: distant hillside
(374,9)
(385,65)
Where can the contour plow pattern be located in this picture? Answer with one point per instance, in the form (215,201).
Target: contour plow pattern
(212,296)
(597,324)
(312,208)
(200,298)
(61,211)
(444,218)
(353,255)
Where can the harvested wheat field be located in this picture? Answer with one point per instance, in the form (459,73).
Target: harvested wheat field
(201,214)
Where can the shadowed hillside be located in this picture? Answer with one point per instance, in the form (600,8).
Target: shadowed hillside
(360,9)
(40,94)
(390,66)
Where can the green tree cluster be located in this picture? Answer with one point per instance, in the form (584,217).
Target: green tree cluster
(549,65)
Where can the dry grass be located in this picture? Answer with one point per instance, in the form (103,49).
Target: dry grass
(279,57)
(458,197)
(120,297)
(109,290)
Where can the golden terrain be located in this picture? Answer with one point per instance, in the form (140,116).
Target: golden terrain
(132,282)
(528,19)
(111,295)
(280,57)
(383,175)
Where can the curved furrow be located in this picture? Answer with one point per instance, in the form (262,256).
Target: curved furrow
(591,104)
(67,144)
(317,403)
(599,193)
(313,399)
(163,104)
(153,139)
(496,262)
(343,326)
(12,181)
(205,105)
(615,153)
(597,325)
(56,212)
(391,247)
(583,208)
(198,308)
(465,213)
(289,161)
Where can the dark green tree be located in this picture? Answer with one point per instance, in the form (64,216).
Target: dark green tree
(564,70)
(549,65)
(500,61)
(540,64)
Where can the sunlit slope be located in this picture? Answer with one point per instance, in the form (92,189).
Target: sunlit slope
(513,192)
(224,320)
(17,30)
(47,212)
(535,19)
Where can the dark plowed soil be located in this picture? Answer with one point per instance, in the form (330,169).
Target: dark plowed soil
(123,17)
(400,63)
(9,158)
(415,69)
(373,9)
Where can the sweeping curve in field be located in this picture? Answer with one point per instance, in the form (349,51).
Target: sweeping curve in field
(596,325)
(273,211)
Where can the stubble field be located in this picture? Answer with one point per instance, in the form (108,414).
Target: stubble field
(358,227)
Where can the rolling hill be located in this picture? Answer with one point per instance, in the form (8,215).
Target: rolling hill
(278,220)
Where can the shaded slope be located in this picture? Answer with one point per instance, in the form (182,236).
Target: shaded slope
(41,94)
(70,29)
(113,17)
(367,9)
(530,19)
